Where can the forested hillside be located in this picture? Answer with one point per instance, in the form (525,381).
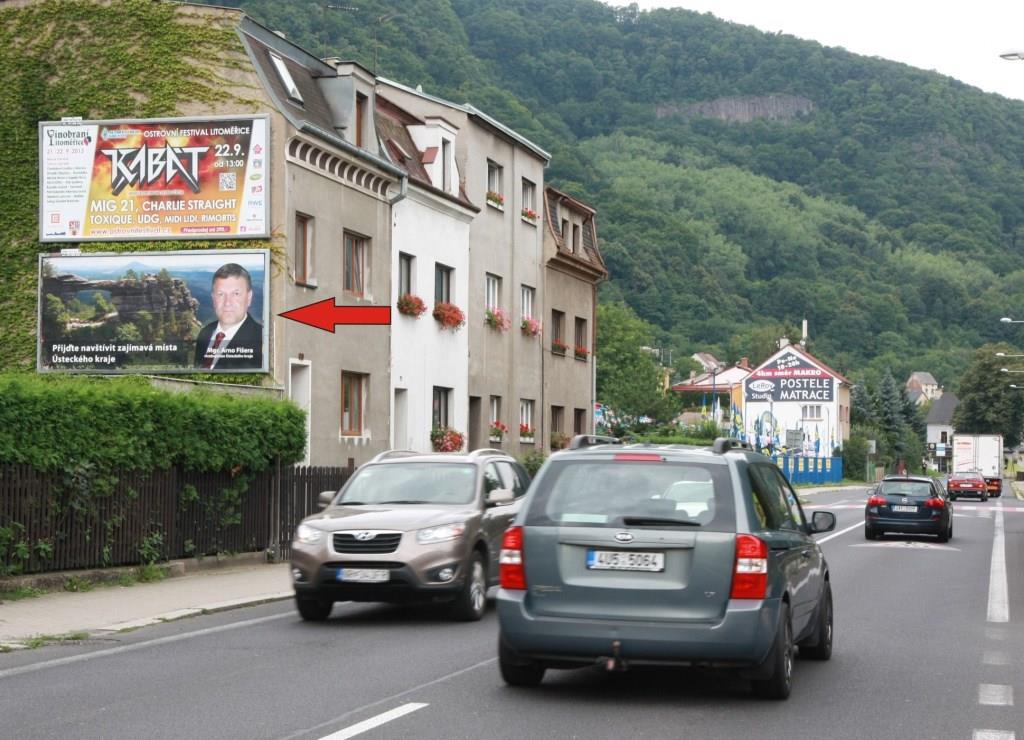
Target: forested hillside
(744,181)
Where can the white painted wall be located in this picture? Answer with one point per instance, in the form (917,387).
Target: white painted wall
(788,415)
(424,355)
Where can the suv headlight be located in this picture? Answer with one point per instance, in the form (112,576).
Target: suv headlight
(440,534)
(308,535)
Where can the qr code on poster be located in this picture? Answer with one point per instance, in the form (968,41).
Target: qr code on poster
(228,181)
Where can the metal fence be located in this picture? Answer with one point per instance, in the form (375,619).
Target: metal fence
(54,522)
(819,470)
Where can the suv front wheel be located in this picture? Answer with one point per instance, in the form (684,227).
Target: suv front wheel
(313,610)
(471,602)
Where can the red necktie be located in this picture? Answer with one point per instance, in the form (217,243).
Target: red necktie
(211,354)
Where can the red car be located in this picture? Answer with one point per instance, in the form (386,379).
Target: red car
(970,483)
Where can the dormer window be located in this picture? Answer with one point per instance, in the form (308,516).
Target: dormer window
(286,79)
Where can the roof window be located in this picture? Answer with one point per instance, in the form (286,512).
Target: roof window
(286,78)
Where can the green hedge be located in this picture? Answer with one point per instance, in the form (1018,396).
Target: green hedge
(59,423)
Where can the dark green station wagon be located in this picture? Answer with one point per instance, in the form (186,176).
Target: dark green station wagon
(632,555)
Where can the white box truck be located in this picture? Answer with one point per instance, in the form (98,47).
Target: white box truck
(981,452)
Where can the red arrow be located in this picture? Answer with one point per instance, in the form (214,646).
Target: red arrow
(326,315)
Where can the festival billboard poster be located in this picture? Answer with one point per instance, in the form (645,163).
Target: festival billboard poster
(154,312)
(180,178)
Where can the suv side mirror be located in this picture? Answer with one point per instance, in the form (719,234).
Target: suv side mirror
(325,498)
(500,496)
(822,521)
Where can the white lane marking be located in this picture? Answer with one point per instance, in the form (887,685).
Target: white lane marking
(138,646)
(388,699)
(995,657)
(998,594)
(908,544)
(369,724)
(995,695)
(841,531)
(993,735)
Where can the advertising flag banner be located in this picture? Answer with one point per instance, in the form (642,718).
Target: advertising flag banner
(144,312)
(179,178)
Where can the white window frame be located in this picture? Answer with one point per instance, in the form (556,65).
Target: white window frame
(527,294)
(492,291)
(495,409)
(495,175)
(304,273)
(526,413)
(529,195)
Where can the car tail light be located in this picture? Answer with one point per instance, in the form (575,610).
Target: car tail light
(877,501)
(750,577)
(511,570)
(934,503)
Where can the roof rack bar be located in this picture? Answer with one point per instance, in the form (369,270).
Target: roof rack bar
(393,453)
(591,440)
(724,444)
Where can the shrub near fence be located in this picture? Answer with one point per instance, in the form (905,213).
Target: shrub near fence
(167,514)
(105,471)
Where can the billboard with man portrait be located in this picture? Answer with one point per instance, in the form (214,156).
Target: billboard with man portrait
(146,312)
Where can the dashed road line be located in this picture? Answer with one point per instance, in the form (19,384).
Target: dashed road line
(995,695)
(993,735)
(369,724)
(995,657)
(998,593)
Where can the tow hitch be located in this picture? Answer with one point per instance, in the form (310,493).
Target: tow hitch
(615,662)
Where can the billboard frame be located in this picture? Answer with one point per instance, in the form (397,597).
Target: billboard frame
(225,254)
(266,232)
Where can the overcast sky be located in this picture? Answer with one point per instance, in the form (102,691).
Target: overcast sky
(959,38)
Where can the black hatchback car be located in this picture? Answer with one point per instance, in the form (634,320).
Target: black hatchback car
(911,505)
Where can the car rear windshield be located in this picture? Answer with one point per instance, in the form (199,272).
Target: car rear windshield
(411,483)
(915,488)
(610,493)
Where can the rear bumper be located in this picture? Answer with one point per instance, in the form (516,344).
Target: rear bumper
(979,492)
(742,638)
(910,526)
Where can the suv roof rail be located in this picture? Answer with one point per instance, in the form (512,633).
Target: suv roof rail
(393,453)
(591,440)
(724,444)
(487,451)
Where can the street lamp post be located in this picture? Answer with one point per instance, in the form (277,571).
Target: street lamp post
(1009,320)
(1003,354)
(1008,370)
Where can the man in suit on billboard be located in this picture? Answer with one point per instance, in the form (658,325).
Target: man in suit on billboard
(235,340)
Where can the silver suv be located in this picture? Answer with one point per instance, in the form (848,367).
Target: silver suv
(663,555)
(409,527)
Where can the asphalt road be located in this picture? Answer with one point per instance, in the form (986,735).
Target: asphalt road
(929,644)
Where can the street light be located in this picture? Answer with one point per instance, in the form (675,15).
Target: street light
(1008,320)
(1012,56)
(1003,354)
(1008,370)
(1018,387)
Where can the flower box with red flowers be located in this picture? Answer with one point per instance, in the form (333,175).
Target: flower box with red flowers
(498,430)
(529,214)
(525,433)
(495,199)
(580,351)
(411,305)
(449,316)
(558,347)
(445,439)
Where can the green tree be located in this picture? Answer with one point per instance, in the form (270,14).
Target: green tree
(987,404)
(629,379)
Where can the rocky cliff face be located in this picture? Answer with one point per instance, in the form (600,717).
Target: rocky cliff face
(131,296)
(742,109)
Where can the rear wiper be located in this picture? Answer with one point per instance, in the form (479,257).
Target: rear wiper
(410,501)
(351,503)
(640,521)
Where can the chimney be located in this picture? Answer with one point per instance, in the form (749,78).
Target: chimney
(783,342)
(803,339)
(693,374)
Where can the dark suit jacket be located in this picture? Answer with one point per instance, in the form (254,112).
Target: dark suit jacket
(243,352)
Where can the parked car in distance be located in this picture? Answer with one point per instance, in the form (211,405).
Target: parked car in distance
(970,483)
(409,527)
(908,504)
(633,555)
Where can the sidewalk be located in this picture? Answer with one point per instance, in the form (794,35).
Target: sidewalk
(111,608)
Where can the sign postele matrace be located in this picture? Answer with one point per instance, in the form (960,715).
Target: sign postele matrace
(790,378)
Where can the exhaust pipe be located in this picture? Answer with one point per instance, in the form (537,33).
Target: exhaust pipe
(615,662)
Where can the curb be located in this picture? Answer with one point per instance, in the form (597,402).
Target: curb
(173,616)
(59,580)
